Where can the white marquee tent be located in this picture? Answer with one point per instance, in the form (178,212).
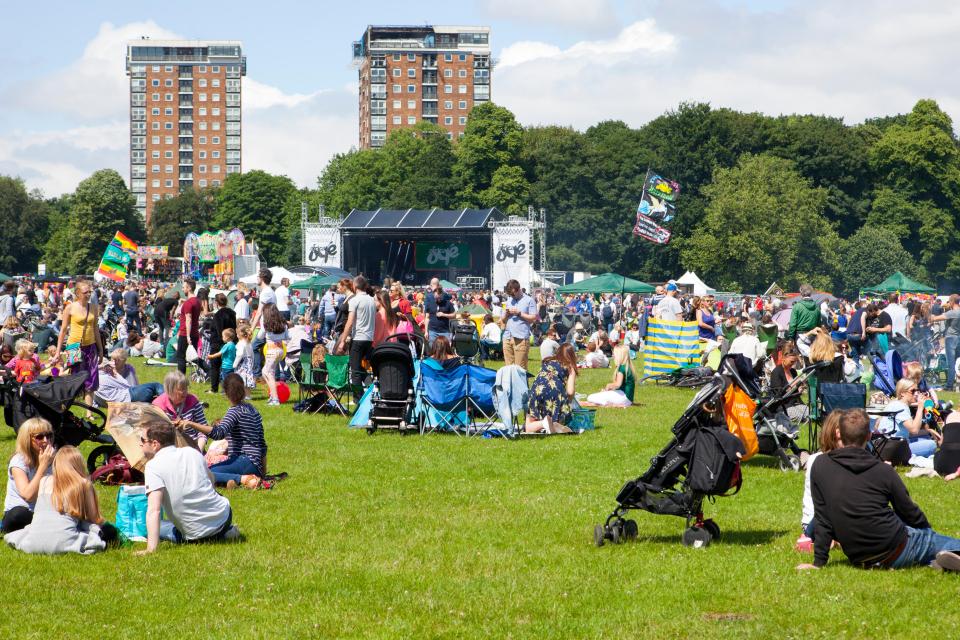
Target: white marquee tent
(700,287)
(279,273)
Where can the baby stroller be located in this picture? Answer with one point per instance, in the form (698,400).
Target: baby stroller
(53,400)
(392,396)
(466,343)
(887,370)
(700,460)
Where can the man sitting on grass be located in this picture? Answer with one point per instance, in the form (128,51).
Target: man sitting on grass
(853,492)
(177,480)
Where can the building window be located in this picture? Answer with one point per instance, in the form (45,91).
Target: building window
(462,73)
(215,111)
(448,73)
(448,57)
(168,154)
(215,69)
(168,69)
(202,168)
(155,184)
(202,111)
(214,154)
(448,104)
(155,140)
(215,97)
(462,88)
(155,168)
(397,120)
(155,111)
(215,140)
(396,104)
(168,125)
(449,135)
(235,168)
(215,126)
(202,82)
(463,57)
(203,126)
(155,97)
(215,168)
(481,92)
(168,140)
(397,88)
(168,183)
(411,57)
(168,97)
(411,73)
(203,69)
(448,88)
(155,197)
(396,73)
(202,155)
(203,183)
(411,104)
(203,140)
(463,119)
(168,168)
(156,68)
(462,104)
(155,154)
(460,136)
(448,120)
(168,111)
(411,119)
(202,97)
(396,57)
(216,183)
(154,83)
(411,88)
(154,125)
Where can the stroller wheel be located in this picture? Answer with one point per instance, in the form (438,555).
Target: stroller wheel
(696,538)
(790,462)
(630,529)
(712,528)
(615,532)
(599,535)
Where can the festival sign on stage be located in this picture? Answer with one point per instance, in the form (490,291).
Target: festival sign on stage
(435,256)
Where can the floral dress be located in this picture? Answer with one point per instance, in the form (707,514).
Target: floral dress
(548,395)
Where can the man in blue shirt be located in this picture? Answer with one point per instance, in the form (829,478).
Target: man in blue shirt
(519,311)
(439,309)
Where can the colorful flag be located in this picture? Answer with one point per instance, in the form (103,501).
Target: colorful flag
(123,242)
(670,344)
(656,208)
(116,257)
(112,271)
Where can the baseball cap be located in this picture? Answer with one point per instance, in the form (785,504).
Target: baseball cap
(671,286)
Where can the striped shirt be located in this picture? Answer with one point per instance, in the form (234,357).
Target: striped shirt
(242,426)
(191,409)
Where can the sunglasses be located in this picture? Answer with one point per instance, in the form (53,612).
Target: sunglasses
(46,435)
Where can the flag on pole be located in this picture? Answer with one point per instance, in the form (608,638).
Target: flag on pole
(670,344)
(656,208)
(124,243)
(116,257)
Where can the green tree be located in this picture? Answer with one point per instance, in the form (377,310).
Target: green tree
(417,167)
(870,256)
(172,218)
(292,214)
(254,203)
(23,224)
(352,181)
(101,206)
(763,222)
(493,139)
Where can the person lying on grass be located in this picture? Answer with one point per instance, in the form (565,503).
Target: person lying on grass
(618,393)
(862,503)
(177,481)
(242,426)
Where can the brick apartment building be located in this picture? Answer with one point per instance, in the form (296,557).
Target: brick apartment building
(184,115)
(412,74)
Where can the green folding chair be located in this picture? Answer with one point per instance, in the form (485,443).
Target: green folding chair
(337,384)
(813,426)
(311,378)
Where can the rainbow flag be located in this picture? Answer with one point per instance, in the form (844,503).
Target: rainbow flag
(112,271)
(670,344)
(124,243)
(116,257)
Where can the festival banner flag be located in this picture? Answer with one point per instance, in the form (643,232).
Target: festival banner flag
(116,257)
(123,242)
(112,271)
(670,344)
(656,208)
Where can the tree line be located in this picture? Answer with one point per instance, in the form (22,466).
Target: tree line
(800,198)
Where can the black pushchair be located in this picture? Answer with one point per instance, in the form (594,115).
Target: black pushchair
(701,460)
(392,397)
(52,399)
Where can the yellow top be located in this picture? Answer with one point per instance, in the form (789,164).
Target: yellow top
(82,328)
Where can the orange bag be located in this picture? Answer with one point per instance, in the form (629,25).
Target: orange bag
(738,409)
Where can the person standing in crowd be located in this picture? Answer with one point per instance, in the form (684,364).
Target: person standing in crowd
(189,332)
(669,307)
(275,330)
(131,308)
(855,329)
(8,307)
(327,312)
(223,318)
(951,336)
(877,330)
(283,299)
(80,320)
(519,311)
(805,314)
(898,316)
(361,327)
(241,307)
(267,296)
(439,309)
(706,327)
(163,314)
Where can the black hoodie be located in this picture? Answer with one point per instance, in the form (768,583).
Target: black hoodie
(853,492)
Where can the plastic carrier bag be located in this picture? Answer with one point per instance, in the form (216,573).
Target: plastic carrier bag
(132,511)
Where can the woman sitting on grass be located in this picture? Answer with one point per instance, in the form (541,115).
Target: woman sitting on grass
(67,518)
(242,426)
(550,404)
(618,393)
(26,468)
(829,441)
(908,424)
(179,404)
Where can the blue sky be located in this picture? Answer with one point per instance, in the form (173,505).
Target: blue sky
(570,62)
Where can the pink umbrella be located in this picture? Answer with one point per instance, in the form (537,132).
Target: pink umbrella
(782,318)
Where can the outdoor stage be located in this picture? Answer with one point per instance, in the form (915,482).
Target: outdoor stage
(476,248)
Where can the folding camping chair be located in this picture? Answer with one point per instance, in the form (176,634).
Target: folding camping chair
(830,396)
(459,399)
(337,384)
(311,379)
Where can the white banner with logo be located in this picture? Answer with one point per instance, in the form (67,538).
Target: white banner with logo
(321,246)
(512,251)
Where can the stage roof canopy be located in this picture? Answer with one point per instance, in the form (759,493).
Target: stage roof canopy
(431,219)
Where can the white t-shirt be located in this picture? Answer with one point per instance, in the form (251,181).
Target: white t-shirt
(283,298)
(189,499)
(13,498)
(807,516)
(267,296)
(898,318)
(668,309)
(749,346)
(491,333)
(242,309)
(365,318)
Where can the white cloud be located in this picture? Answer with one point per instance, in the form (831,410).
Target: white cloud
(257,95)
(592,15)
(804,59)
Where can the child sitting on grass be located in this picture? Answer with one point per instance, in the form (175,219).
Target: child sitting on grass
(619,393)
(227,353)
(26,366)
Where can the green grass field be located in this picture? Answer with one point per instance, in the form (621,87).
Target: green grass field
(448,537)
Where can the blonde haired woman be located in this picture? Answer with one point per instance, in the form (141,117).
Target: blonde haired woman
(27,467)
(67,518)
(80,319)
(619,392)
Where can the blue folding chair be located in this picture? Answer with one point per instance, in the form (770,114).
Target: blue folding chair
(459,399)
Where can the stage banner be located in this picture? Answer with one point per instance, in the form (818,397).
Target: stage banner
(322,247)
(437,256)
(512,252)
(670,344)
(152,251)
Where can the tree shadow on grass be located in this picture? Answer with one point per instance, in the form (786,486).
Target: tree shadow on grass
(742,537)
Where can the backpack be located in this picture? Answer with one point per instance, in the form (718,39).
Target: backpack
(607,312)
(715,467)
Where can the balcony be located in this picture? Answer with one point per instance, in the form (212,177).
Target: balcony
(186,133)
(429,93)
(186,146)
(186,118)
(233,145)
(429,111)
(429,77)
(186,176)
